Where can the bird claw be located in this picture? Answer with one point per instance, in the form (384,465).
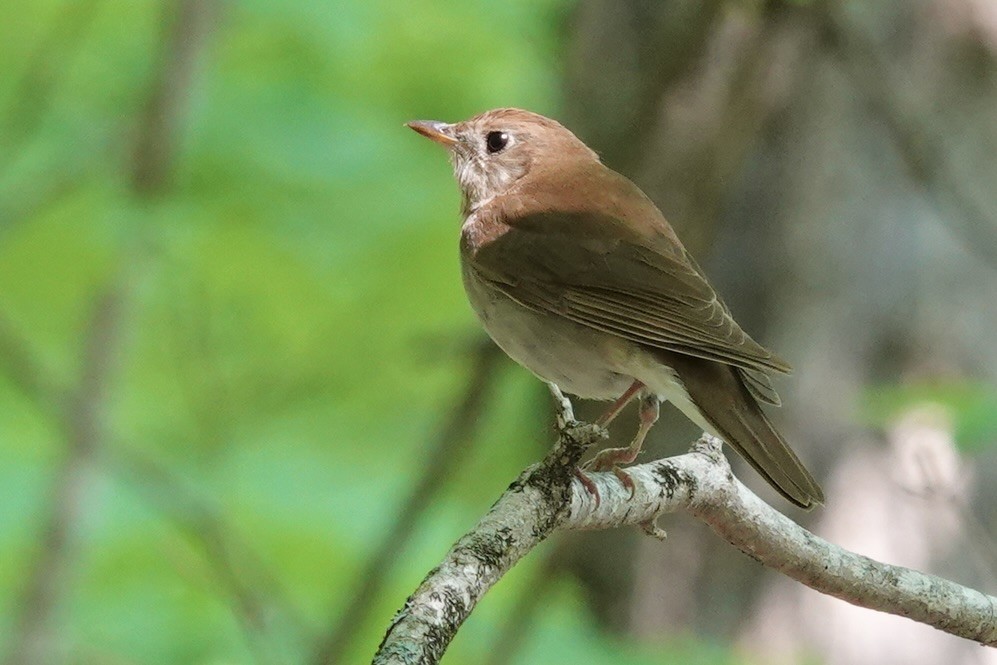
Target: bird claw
(609,460)
(625,479)
(589,485)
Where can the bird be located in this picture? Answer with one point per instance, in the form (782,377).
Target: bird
(577,276)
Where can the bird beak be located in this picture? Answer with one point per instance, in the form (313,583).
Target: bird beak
(440,132)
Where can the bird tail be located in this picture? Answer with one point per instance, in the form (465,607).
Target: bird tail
(718,392)
(760,443)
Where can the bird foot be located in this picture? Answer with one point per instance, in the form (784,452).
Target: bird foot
(624,478)
(589,485)
(610,459)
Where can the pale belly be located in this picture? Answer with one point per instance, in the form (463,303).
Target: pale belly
(580,360)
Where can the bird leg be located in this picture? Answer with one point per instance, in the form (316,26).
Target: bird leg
(618,405)
(611,458)
(603,421)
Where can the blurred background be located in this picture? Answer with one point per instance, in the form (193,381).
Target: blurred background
(244,407)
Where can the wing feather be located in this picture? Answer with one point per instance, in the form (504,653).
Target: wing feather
(602,270)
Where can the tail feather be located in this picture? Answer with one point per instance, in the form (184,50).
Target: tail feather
(723,401)
(771,456)
(760,386)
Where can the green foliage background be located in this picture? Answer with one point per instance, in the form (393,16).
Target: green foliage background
(292,326)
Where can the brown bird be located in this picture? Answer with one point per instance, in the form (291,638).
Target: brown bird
(577,276)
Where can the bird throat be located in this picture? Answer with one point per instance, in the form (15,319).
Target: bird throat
(480,182)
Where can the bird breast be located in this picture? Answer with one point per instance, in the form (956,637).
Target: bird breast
(582,361)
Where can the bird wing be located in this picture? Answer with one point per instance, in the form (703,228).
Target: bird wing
(629,277)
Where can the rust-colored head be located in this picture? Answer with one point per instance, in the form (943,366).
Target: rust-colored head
(492,151)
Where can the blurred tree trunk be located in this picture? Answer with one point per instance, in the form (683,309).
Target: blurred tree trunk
(807,154)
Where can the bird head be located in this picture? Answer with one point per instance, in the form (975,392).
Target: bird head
(493,151)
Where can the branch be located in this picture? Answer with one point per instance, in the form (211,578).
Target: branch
(444,455)
(702,484)
(534,505)
(82,412)
(231,560)
(82,421)
(187,25)
(547,496)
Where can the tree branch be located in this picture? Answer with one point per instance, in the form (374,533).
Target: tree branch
(187,25)
(82,421)
(443,457)
(547,496)
(533,506)
(82,411)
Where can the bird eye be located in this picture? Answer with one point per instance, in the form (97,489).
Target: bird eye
(495,141)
